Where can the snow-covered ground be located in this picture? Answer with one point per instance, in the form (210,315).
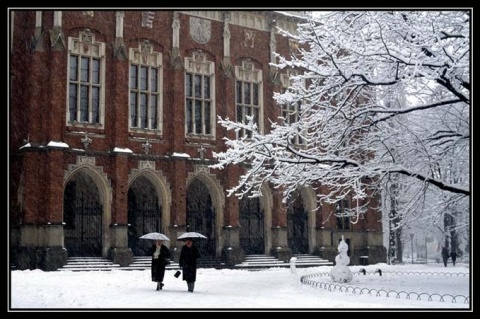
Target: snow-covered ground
(226,289)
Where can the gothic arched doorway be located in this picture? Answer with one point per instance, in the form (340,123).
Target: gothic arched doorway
(251,226)
(83,217)
(144,215)
(297,226)
(201,216)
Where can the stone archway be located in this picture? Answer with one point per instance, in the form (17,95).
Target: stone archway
(149,202)
(255,217)
(201,216)
(252,226)
(301,221)
(98,182)
(144,215)
(297,225)
(217,198)
(82,217)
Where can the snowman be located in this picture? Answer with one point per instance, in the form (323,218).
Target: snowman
(340,272)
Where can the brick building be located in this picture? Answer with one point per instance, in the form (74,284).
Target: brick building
(112,128)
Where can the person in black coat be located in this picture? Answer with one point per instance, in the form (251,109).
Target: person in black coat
(453,254)
(445,255)
(160,259)
(188,262)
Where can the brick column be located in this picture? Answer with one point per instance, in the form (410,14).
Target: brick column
(178,210)
(119,251)
(32,158)
(174,126)
(117,105)
(41,233)
(116,128)
(232,253)
(280,247)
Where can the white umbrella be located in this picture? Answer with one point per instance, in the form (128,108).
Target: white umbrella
(155,236)
(191,235)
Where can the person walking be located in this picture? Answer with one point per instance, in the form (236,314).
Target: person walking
(453,254)
(160,259)
(445,255)
(188,263)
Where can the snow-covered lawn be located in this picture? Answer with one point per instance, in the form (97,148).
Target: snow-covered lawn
(273,289)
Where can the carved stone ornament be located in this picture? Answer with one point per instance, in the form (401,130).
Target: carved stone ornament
(85,160)
(146,147)
(293,45)
(147,18)
(86,141)
(249,40)
(200,30)
(146,165)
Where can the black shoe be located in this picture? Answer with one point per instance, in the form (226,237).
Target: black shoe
(158,286)
(161,285)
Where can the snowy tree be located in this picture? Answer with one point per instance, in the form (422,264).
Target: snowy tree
(351,133)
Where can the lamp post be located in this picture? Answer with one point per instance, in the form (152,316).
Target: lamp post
(411,240)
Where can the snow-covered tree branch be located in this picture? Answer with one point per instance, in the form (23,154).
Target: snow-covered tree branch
(381,93)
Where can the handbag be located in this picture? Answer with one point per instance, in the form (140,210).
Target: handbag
(177,274)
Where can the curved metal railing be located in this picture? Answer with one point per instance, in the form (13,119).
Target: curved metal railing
(313,281)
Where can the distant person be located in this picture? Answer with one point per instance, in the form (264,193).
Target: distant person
(453,254)
(160,259)
(445,255)
(188,263)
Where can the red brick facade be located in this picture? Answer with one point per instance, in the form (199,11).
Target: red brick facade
(39,173)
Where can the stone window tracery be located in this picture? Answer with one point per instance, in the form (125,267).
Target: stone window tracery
(199,95)
(145,84)
(86,80)
(248,94)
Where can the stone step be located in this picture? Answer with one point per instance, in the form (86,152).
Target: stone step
(306,256)
(275,261)
(104,264)
(144,263)
(260,260)
(265,261)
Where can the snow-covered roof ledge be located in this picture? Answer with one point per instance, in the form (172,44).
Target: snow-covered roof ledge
(182,155)
(28,145)
(295,14)
(57,144)
(122,150)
